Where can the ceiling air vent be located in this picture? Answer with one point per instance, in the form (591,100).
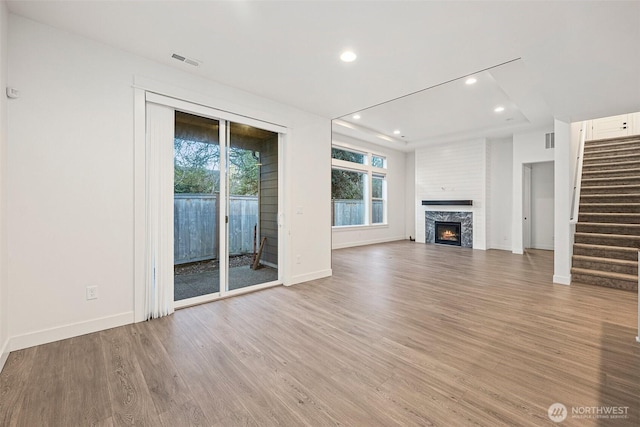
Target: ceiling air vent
(185,60)
(549,140)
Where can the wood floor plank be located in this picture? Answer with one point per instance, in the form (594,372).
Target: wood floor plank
(43,401)
(14,380)
(166,386)
(182,336)
(87,401)
(131,399)
(402,334)
(189,414)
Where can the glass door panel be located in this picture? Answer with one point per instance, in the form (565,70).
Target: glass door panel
(196,206)
(252,237)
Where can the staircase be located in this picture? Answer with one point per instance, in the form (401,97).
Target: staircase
(607,237)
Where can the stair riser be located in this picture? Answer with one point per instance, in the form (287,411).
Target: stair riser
(611,152)
(611,173)
(609,166)
(605,266)
(611,158)
(587,190)
(612,140)
(594,148)
(617,219)
(611,240)
(608,229)
(609,283)
(606,253)
(610,198)
(605,208)
(613,181)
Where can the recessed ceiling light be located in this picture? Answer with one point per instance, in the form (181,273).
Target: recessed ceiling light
(396,132)
(499,109)
(356,116)
(471,80)
(348,56)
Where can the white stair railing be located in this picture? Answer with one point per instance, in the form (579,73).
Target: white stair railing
(577,181)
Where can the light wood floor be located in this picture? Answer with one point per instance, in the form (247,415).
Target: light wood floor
(403,334)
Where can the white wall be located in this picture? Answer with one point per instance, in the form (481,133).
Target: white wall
(542,202)
(499,193)
(411,202)
(70,196)
(528,147)
(453,171)
(395,227)
(563,190)
(632,120)
(4,306)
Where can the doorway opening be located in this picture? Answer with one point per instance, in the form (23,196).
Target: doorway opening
(538,206)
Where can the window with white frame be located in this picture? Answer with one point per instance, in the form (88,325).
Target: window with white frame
(358,188)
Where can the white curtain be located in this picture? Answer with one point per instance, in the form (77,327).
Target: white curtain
(159,200)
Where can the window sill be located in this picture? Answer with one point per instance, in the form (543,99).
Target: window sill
(358,227)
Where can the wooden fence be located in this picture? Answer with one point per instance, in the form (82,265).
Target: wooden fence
(195,223)
(196,231)
(351,212)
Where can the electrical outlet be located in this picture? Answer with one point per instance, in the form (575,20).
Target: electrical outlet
(92,292)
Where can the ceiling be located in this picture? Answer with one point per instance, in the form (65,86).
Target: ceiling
(454,110)
(569,60)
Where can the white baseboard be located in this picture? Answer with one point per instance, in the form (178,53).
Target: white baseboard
(309,276)
(562,280)
(367,242)
(500,247)
(4,354)
(69,331)
(544,247)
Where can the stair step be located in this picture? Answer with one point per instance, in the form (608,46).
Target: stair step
(609,208)
(625,180)
(608,228)
(609,158)
(606,173)
(607,238)
(611,152)
(610,217)
(605,278)
(611,165)
(628,241)
(610,198)
(592,142)
(603,251)
(610,189)
(606,264)
(591,147)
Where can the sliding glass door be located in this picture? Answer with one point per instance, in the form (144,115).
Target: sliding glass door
(226,205)
(196,206)
(252,206)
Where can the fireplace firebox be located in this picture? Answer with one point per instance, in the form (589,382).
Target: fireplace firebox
(448,233)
